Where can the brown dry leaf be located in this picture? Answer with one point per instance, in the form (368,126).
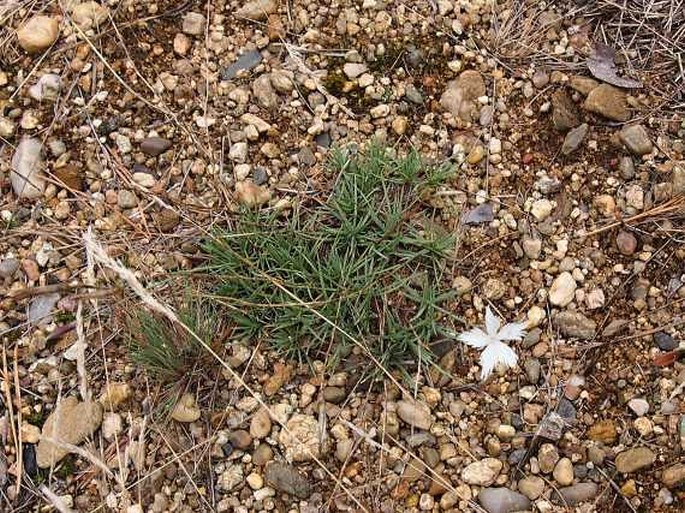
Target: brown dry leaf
(602,66)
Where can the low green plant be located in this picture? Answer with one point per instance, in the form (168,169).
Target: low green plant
(164,349)
(370,260)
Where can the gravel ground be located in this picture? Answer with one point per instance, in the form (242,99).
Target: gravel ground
(152,122)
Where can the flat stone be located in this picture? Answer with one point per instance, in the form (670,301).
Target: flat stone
(186,410)
(639,406)
(155,146)
(574,138)
(415,413)
(609,102)
(635,459)
(334,395)
(564,112)
(353,70)
(664,341)
(240,439)
(47,88)
(71,423)
(533,368)
(482,473)
(194,23)
(285,478)
(247,61)
(636,139)
(257,10)
(575,324)
(27,175)
(573,495)
(678,178)
(502,500)
(89,15)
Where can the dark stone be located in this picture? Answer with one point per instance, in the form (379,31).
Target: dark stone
(306,157)
(260,176)
(572,495)
(664,341)
(516,456)
(227,449)
(480,214)
(8,267)
(502,500)
(567,410)
(108,126)
(323,140)
(155,146)
(29,459)
(246,61)
(286,478)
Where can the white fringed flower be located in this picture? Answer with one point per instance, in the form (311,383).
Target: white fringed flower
(495,351)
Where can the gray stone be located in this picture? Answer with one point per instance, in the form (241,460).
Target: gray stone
(502,500)
(8,267)
(194,23)
(126,199)
(626,243)
(413,95)
(575,494)
(639,406)
(678,178)
(664,341)
(246,61)
(287,479)
(354,69)
(627,168)
(575,324)
(574,138)
(306,156)
(260,176)
(532,368)
(636,139)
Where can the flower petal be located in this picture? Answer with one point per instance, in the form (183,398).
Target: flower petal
(475,338)
(495,353)
(512,331)
(492,322)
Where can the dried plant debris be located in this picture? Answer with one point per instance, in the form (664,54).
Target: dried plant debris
(602,65)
